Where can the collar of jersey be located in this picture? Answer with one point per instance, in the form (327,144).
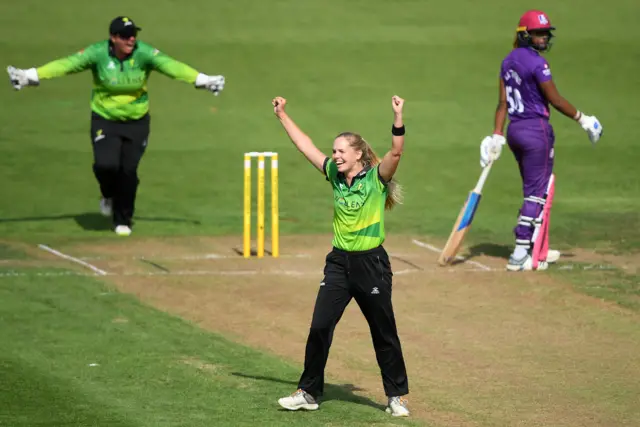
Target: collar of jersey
(126,57)
(360,175)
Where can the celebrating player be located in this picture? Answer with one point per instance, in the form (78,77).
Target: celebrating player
(358,266)
(526,90)
(120,108)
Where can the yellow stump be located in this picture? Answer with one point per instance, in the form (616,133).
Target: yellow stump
(275,240)
(260,237)
(247,207)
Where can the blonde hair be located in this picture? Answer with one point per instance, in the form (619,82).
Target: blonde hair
(370,158)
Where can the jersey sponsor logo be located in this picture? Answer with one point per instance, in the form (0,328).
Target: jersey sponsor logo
(111,66)
(155,52)
(546,71)
(352,205)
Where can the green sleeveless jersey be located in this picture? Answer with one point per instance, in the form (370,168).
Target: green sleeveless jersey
(119,86)
(358,210)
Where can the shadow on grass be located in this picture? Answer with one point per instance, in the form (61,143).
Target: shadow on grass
(488,249)
(496,251)
(342,392)
(93,221)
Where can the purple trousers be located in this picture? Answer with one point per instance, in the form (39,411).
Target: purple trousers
(531,142)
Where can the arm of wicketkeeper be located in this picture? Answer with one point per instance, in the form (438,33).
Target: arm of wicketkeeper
(75,63)
(180,71)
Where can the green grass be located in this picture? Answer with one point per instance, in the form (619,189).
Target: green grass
(605,282)
(152,369)
(338,62)
(9,252)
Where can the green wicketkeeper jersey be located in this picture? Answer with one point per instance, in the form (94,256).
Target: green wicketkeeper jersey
(119,87)
(358,210)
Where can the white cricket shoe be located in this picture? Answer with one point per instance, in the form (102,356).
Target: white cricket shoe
(299,400)
(106,207)
(552,256)
(398,407)
(525,264)
(123,230)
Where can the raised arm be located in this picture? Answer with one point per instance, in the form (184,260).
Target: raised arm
(172,68)
(72,64)
(177,70)
(390,161)
(302,142)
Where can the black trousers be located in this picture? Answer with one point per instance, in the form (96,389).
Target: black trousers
(366,277)
(117,150)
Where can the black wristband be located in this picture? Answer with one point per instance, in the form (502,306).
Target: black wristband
(397,131)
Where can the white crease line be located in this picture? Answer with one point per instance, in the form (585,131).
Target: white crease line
(438,250)
(590,267)
(405,271)
(186,257)
(293,273)
(73,259)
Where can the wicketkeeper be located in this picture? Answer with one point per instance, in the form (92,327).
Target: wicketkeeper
(119,107)
(526,90)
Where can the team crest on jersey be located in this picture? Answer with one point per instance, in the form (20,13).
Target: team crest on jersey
(543,19)
(111,66)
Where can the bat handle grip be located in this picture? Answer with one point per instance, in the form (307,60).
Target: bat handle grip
(483,177)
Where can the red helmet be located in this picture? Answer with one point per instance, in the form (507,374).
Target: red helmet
(533,20)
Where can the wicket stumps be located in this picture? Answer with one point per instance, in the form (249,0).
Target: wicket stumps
(275,243)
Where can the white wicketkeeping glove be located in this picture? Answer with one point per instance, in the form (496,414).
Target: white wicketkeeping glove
(214,84)
(592,126)
(490,148)
(21,78)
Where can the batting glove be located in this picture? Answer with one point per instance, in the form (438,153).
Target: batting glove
(491,148)
(592,126)
(214,84)
(22,78)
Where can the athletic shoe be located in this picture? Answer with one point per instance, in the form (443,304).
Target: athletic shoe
(299,400)
(552,256)
(106,207)
(525,264)
(123,230)
(398,407)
